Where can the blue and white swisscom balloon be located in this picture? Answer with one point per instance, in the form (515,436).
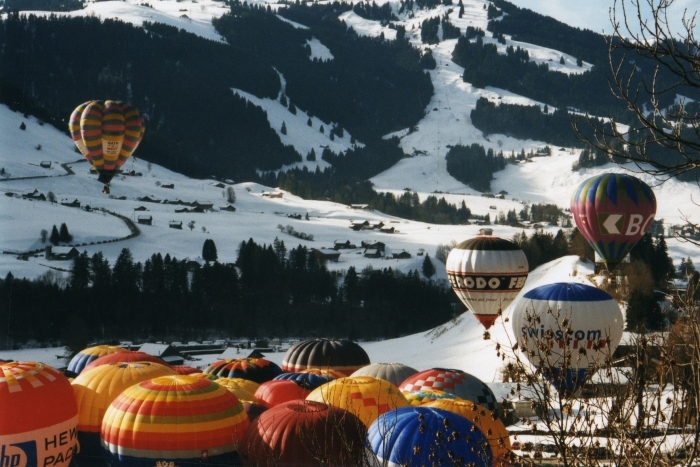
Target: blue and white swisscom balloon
(572,320)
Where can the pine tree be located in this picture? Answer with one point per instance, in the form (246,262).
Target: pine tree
(80,272)
(428,267)
(283,100)
(292,108)
(311,156)
(209,253)
(55,237)
(308,122)
(63,235)
(284,128)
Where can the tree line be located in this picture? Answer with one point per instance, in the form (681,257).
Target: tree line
(268,291)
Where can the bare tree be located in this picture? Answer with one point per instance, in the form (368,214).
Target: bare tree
(190,224)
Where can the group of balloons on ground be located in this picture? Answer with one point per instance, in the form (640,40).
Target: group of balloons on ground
(565,329)
(326,405)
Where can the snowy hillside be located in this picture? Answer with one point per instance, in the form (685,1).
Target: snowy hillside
(446,123)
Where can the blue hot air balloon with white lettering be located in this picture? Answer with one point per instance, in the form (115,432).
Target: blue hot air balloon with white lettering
(567,330)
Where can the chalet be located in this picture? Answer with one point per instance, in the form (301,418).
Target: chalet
(372,253)
(400,254)
(488,194)
(141,208)
(71,204)
(45,164)
(376,225)
(268,194)
(362,207)
(203,206)
(176,201)
(380,246)
(145,220)
(388,230)
(164,351)
(169,185)
(486,231)
(343,245)
(35,195)
(359,225)
(181,210)
(175,225)
(228,208)
(500,196)
(148,199)
(61,253)
(325,255)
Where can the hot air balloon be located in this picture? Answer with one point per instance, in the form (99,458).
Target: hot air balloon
(364,396)
(38,416)
(106,133)
(427,436)
(488,422)
(457,382)
(341,355)
(185,369)
(305,380)
(424,396)
(580,324)
(254,369)
(86,356)
(613,211)
(123,357)
(276,392)
(395,373)
(487,273)
(325,372)
(235,384)
(304,433)
(180,419)
(96,388)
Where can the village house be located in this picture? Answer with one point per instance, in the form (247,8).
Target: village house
(376,225)
(228,207)
(148,199)
(60,253)
(71,204)
(164,351)
(175,225)
(45,164)
(359,225)
(325,255)
(203,206)
(141,208)
(400,254)
(169,185)
(35,195)
(343,245)
(362,207)
(380,246)
(145,220)
(372,253)
(388,230)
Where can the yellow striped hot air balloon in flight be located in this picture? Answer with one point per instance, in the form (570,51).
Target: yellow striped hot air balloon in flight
(106,133)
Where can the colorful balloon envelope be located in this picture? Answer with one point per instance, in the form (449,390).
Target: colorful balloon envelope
(245,385)
(343,356)
(38,416)
(96,388)
(304,433)
(613,211)
(276,392)
(487,273)
(567,329)
(86,356)
(177,419)
(106,133)
(123,357)
(254,369)
(305,380)
(185,369)
(395,373)
(424,396)
(457,382)
(325,372)
(363,396)
(488,422)
(427,436)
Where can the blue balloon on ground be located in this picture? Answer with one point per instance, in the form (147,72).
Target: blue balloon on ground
(427,436)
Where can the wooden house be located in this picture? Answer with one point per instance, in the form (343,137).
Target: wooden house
(400,254)
(71,204)
(372,253)
(169,185)
(325,255)
(145,220)
(228,208)
(175,225)
(343,245)
(165,351)
(61,253)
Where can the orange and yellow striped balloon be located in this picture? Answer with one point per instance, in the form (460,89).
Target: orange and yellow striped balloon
(106,133)
(176,419)
(363,396)
(38,416)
